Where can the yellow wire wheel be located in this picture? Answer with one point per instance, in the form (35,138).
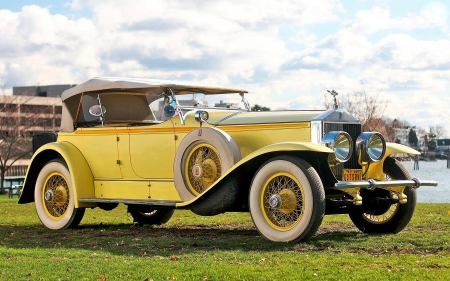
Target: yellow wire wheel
(287,199)
(376,216)
(282,200)
(202,168)
(55,195)
(202,157)
(385,216)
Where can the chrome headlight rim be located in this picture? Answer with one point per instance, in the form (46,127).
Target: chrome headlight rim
(341,143)
(201,116)
(371,147)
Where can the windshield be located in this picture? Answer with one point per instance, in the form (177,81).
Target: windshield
(231,101)
(148,107)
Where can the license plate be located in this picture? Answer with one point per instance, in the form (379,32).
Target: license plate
(352,175)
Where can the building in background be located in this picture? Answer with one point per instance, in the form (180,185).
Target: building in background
(53,91)
(46,112)
(30,109)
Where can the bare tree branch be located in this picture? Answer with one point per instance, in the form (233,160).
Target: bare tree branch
(18,122)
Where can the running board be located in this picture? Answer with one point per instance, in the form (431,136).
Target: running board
(159,203)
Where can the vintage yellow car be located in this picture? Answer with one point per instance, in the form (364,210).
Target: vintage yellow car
(157,146)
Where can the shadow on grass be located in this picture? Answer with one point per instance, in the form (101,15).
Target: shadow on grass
(128,239)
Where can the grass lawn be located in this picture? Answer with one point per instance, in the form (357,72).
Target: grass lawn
(107,246)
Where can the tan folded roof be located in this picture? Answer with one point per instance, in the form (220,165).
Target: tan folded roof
(137,85)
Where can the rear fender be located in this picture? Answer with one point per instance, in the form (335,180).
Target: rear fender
(230,191)
(80,173)
(375,170)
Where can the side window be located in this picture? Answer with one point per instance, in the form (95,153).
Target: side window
(89,101)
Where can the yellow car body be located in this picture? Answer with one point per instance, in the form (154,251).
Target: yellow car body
(132,141)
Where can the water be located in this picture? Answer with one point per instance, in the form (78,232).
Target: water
(433,170)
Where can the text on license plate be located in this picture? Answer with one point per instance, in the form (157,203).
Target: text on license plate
(352,175)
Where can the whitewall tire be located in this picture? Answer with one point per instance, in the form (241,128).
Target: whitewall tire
(54,197)
(287,200)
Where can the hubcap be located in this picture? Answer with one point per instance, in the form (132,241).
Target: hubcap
(288,201)
(275,201)
(197,171)
(48,195)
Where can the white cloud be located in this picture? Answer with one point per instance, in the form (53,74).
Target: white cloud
(437,13)
(234,43)
(379,18)
(403,51)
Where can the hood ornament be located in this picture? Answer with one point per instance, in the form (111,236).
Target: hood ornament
(334,94)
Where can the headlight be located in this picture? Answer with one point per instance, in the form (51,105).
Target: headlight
(371,147)
(341,143)
(201,116)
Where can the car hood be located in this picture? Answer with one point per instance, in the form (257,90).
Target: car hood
(271,117)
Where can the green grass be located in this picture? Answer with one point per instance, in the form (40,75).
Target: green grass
(107,246)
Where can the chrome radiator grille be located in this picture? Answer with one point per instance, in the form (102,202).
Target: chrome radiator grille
(354,130)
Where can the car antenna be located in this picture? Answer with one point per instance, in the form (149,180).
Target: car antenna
(334,94)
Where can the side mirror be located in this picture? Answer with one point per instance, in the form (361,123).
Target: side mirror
(97,111)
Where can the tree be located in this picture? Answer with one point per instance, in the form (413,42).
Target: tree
(432,145)
(368,108)
(15,133)
(431,140)
(258,107)
(412,137)
(438,131)
(391,129)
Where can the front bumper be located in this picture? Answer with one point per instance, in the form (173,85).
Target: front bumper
(398,186)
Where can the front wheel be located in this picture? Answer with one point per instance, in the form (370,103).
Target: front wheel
(54,197)
(287,200)
(390,217)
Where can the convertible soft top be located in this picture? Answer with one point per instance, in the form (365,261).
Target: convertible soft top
(137,85)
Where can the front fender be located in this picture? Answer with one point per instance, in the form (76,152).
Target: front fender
(244,171)
(80,173)
(375,170)
(291,146)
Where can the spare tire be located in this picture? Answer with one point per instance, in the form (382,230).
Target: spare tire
(203,156)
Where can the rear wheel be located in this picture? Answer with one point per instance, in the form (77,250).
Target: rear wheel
(54,197)
(376,217)
(287,200)
(149,216)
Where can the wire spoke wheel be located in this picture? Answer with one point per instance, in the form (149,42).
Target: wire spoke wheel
(287,200)
(203,167)
(282,200)
(56,195)
(388,217)
(203,156)
(384,216)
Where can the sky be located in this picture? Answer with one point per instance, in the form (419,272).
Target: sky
(286,53)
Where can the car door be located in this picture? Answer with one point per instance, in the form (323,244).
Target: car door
(152,150)
(99,142)
(101,152)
